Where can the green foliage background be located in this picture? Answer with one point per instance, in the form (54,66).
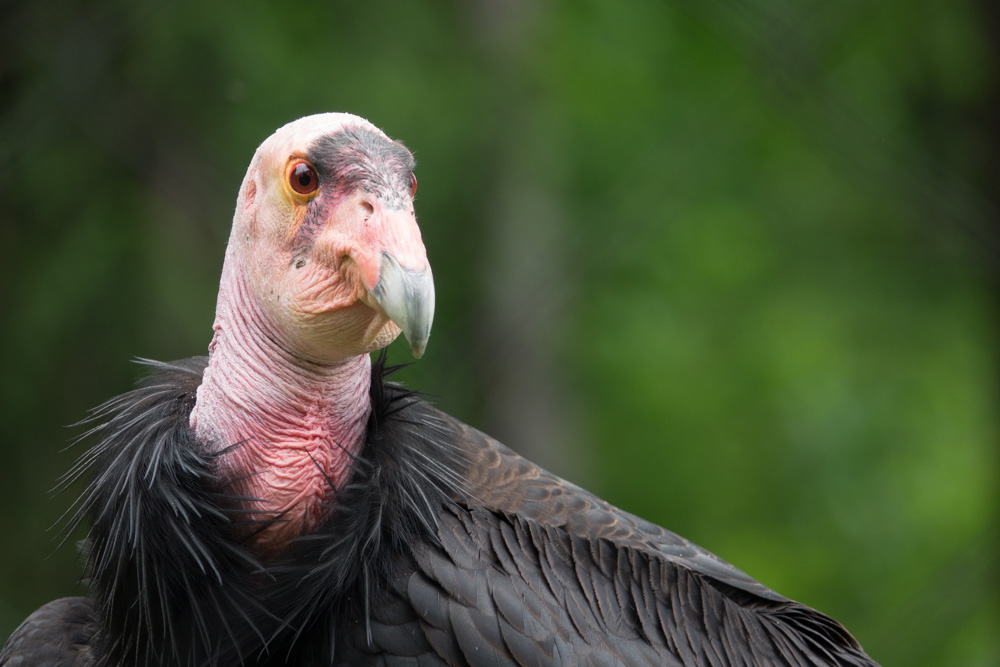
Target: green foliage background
(732,265)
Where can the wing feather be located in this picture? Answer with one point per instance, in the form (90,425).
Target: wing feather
(535,570)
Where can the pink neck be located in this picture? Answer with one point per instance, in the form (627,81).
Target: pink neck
(297,423)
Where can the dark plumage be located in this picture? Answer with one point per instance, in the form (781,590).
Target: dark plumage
(445,548)
(281,503)
(58,634)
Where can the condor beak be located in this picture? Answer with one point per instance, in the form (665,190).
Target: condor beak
(407,298)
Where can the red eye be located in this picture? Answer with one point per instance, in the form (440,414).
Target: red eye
(413,185)
(303,178)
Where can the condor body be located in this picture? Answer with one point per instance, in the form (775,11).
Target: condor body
(282,503)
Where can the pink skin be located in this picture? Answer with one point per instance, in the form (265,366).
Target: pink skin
(289,370)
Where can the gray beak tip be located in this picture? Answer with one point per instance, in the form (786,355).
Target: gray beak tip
(407,298)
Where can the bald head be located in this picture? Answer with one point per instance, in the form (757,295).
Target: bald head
(325,240)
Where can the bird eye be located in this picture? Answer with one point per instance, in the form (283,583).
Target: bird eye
(413,185)
(303,178)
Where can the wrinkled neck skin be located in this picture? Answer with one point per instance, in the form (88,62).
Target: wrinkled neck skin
(295,424)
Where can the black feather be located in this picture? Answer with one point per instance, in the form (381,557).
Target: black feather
(443,547)
(168,556)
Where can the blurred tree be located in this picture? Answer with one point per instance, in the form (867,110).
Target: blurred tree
(737,259)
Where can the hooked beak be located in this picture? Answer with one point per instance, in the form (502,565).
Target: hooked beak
(407,298)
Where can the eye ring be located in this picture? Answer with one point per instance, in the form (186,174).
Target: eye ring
(302,178)
(413,184)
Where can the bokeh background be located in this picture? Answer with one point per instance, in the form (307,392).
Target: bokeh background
(730,264)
